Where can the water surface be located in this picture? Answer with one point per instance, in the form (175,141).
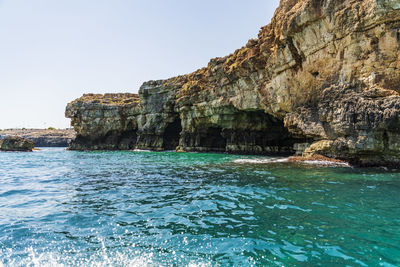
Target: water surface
(64,208)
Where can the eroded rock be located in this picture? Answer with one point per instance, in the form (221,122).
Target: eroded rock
(104,122)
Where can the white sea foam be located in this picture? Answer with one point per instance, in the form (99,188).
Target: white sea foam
(285,160)
(142,150)
(102,258)
(326,163)
(261,160)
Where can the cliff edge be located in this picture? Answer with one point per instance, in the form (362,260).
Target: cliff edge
(322,78)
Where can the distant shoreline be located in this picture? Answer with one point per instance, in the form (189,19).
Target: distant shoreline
(42,137)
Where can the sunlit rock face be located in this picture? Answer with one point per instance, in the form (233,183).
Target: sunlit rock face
(104,122)
(158,119)
(322,78)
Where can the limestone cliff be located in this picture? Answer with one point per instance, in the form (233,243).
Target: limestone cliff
(322,78)
(104,121)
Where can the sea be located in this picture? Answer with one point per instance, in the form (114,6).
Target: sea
(141,208)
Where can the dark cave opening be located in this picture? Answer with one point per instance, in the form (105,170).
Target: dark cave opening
(172,135)
(113,140)
(260,133)
(212,139)
(385,138)
(127,140)
(246,132)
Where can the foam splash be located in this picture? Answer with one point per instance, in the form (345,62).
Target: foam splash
(103,258)
(287,160)
(261,161)
(326,163)
(142,150)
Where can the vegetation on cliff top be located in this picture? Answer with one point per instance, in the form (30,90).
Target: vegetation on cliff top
(109,99)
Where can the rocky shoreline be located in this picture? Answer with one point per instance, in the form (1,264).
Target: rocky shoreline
(42,137)
(16,143)
(322,79)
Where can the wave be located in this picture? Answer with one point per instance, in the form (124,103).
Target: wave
(142,150)
(102,258)
(261,161)
(325,163)
(288,160)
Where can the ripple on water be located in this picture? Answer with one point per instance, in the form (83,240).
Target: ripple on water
(64,208)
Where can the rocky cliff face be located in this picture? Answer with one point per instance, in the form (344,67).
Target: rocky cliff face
(104,121)
(322,78)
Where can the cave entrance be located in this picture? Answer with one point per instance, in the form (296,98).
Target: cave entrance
(212,139)
(172,134)
(127,140)
(259,133)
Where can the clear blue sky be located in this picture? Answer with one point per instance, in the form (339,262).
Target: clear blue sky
(53,51)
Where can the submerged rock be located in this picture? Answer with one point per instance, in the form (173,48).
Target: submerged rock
(323,78)
(16,143)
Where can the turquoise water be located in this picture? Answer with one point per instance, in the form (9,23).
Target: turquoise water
(64,208)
